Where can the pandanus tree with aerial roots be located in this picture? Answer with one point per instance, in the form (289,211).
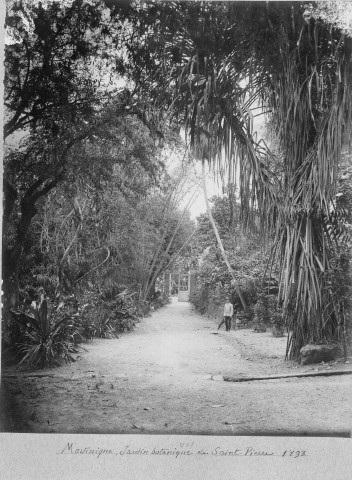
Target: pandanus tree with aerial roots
(210,68)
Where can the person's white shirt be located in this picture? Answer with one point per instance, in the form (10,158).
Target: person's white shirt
(228,309)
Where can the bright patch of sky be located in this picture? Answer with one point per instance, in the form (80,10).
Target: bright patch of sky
(214,188)
(193,169)
(192,194)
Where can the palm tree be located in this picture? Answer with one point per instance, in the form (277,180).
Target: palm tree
(209,67)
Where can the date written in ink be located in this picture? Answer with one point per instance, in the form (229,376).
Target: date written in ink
(294,453)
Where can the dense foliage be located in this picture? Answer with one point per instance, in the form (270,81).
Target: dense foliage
(248,256)
(90,215)
(215,70)
(100,244)
(95,90)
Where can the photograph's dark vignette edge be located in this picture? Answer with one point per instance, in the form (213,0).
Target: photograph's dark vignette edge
(2,57)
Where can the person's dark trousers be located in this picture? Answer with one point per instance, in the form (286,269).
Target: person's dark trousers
(228,323)
(221,323)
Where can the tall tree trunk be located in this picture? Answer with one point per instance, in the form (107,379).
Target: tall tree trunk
(221,247)
(10,263)
(10,292)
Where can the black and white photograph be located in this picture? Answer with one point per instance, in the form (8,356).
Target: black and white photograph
(177,220)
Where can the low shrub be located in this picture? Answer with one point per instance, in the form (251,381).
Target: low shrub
(277,323)
(47,335)
(199,298)
(100,319)
(111,312)
(159,300)
(124,311)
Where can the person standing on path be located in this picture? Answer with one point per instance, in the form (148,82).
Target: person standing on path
(228,312)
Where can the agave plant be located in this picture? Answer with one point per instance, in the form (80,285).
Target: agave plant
(48,336)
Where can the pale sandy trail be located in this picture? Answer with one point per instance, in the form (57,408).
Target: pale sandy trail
(157,379)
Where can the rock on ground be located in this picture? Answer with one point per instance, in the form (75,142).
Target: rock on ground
(317,354)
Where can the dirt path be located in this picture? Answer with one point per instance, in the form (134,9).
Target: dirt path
(162,378)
